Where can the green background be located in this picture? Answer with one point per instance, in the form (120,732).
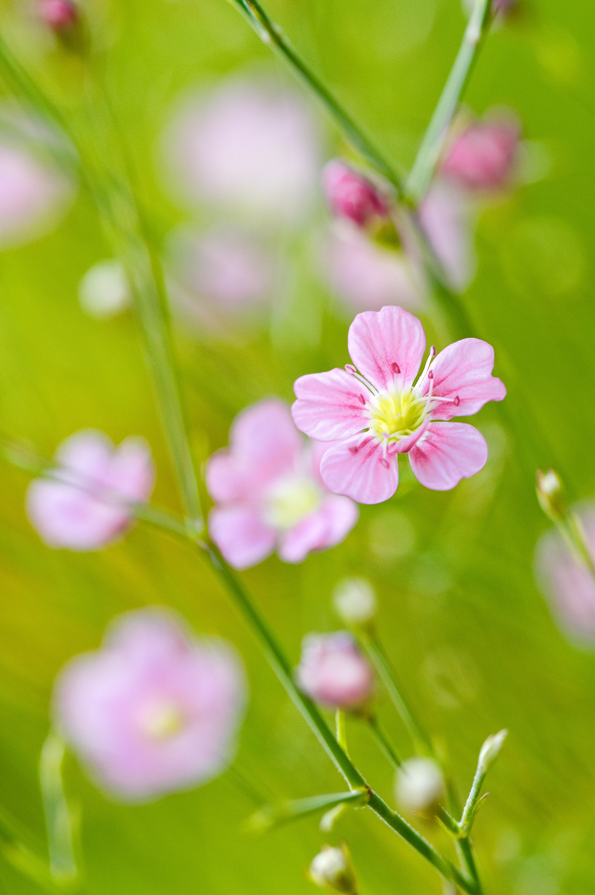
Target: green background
(459,610)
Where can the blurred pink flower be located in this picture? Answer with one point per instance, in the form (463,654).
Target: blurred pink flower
(351,195)
(154,710)
(567,583)
(221,276)
(446,216)
(372,416)
(367,276)
(482,156)
(269,494)
(333,671)
(87,503)
(250,146)
(59,15)
(32,194)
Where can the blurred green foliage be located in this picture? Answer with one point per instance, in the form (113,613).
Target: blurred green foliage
(459,611)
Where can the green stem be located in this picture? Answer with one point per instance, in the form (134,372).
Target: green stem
(270,33)
(386,673)
(432,144)
(58,815)
(273,815)
(384,741)
(22,857)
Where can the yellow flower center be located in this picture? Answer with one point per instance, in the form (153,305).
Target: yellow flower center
(394,415)
(162,720)
(291,500)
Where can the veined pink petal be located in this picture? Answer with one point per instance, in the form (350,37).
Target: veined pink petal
(358,469)
(325,528)
(448,453)
(330,406)
(241,535)
(387,346)
(463,370)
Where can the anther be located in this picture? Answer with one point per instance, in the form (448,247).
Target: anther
(395,368)
(430,374)
(384,463)
(354,449)
(457,401)
(350,368)
(361,399)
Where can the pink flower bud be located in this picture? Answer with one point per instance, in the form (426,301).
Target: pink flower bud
(59,15)
(351,195)
(482,157)
(333,671)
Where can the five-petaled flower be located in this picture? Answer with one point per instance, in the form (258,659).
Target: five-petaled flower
(269,494)
(154,710)
(374,411)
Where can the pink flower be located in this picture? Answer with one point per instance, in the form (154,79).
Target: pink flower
(250,146)
(567,582)
(269,494)
(351,195)
(371,416)
(86,504)
(59,15)
(483,155)
(154,710)
(32,193)
(365,275)
(445,215)
(220,277)
(333,671)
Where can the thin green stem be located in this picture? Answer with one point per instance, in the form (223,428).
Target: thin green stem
(17,851)
(270,33)
(384,741)
(387,675)
(468,815)
(59,820)
(274,815)
(432,143)
(341,729)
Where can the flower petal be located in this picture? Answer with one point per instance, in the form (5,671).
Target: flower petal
(387,346)
(325,528)
(448,453)
(241,535)
(464,371)
(358,469)
(330,406)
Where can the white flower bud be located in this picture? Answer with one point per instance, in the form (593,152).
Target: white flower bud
(355,601)
(419,786)
(550,494)
(331,869)
(103,291)
(491,749)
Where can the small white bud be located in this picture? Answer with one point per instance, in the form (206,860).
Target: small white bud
(419,786)
(331,869)
(491,749)
(355,601)
(103,291)
(550,494)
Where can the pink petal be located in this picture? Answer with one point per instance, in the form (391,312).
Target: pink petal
(132,472)
(358,469)
(464,371)
(387,346)
(330,406)
(88,453)
(448,453)
(265,444)
(241,535)
(325,528)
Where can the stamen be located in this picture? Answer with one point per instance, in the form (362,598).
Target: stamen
(384,463)
(457,401)
(395,368)
(351,369)
(426,369)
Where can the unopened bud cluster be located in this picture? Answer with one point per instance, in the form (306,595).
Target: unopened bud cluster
(550,494)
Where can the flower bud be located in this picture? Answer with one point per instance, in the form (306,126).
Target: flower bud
(351,195)
(550,494)
(419,786)
(58,15)
(483,155)
(331,869)
(490,750)
(104,290)
(333,671)
(355,602)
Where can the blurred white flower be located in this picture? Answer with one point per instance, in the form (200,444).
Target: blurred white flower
(104,290)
